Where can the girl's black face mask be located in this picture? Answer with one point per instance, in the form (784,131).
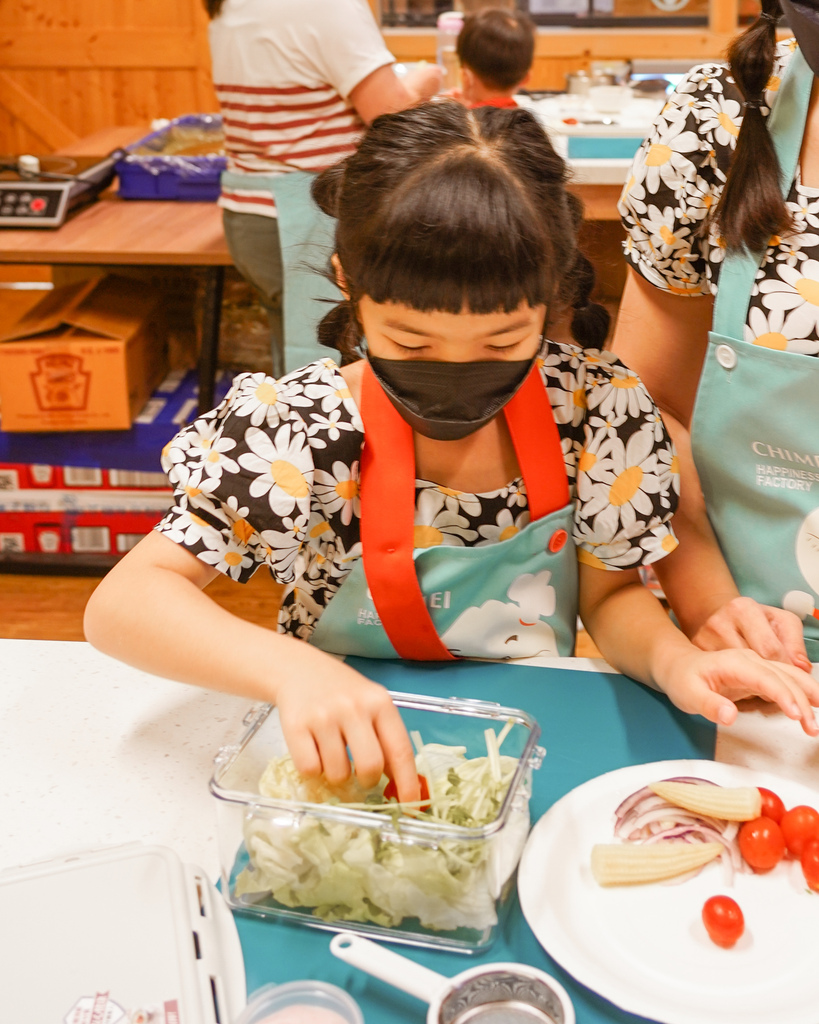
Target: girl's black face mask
(803,18)
(448,401)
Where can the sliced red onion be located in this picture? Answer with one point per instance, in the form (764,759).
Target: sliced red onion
(667,812)
(630,801)
(730,857)
(644,817)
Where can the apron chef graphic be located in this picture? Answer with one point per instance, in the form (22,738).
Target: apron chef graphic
(755,429)
(511,599)
(807,558)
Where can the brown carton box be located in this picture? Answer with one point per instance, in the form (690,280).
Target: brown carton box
(85,358)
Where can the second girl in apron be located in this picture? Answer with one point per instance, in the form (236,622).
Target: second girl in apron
(755,429)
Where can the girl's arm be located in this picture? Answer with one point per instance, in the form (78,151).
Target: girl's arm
(636,636)
(150,612)
(664,338)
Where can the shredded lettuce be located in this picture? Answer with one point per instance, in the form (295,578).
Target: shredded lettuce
(349,872)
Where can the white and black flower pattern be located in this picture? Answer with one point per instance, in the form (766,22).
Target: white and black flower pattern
(677,179)
(284,489)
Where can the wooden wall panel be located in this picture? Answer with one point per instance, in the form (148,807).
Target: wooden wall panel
(69,68)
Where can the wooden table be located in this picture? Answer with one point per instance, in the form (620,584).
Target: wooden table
(136,233)
(161,233)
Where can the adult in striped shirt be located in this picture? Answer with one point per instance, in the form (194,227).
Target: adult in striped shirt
(297,82)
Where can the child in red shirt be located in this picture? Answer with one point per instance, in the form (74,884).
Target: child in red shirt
(496,49)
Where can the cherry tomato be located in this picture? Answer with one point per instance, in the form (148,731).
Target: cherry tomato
(723,920)
(772,806)
(810,863)
(798,825)
(391,791)
(761,843)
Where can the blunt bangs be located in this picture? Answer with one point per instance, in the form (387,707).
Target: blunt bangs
(462,236)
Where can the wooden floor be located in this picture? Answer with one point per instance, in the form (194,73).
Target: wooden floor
(51,607)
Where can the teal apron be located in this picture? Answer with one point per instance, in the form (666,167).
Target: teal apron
(307,237)
(755,428)
(516,598)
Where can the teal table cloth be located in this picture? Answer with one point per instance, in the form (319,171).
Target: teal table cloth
(592,722)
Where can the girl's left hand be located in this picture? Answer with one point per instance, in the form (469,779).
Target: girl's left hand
(708,683)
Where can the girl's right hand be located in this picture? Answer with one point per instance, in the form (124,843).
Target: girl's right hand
(331,709)
(708,684)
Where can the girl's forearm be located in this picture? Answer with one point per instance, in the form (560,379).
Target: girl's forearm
(151,612)
(695,578)
(161,622)
(635,635)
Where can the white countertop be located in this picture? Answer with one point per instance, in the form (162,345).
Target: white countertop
(634,119)
(94,753)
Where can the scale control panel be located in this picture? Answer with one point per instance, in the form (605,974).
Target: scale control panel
(33,203)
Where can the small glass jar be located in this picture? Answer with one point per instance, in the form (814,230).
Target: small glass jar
(301,1002)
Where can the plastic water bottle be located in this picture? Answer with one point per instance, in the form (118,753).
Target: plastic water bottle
(450,24)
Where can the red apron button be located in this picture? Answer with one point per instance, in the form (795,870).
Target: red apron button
(557,541)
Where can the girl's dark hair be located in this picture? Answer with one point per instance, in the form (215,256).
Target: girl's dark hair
(499,46)
(442,208)
(751,207)
(213,7)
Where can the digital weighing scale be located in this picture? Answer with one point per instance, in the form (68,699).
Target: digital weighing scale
(40,192)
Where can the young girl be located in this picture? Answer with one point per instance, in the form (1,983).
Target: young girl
(458,487)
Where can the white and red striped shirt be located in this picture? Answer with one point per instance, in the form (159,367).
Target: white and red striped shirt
(283,70)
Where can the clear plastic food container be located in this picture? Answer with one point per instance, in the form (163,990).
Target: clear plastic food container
(412,879)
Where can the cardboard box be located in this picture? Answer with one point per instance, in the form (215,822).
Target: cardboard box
(84,358)
(31,476)
(171,406)
(74,533)
(78,522)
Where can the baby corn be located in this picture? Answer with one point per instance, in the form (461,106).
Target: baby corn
(737,803)
(624,864)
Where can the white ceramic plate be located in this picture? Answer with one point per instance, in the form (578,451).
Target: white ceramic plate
(644,947)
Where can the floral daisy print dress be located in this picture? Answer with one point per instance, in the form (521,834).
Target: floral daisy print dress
(271,476)
(678,176)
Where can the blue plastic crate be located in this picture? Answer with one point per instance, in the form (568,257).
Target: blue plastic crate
(172,405)
(171,176)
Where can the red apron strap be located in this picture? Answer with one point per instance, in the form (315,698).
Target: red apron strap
(536,439)
(388,503)
(388,527)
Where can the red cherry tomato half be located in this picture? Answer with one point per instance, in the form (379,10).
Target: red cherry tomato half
(810,864)
(761,843)
(772,806)
(723,920)
(798,825)
(391,791)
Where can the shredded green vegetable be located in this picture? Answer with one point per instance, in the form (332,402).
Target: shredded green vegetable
(348,872)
